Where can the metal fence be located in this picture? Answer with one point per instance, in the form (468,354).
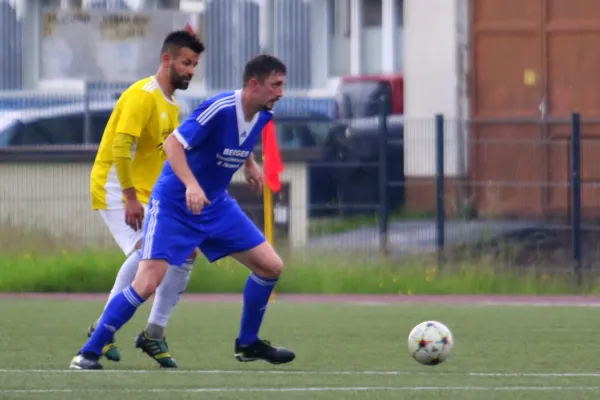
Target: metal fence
(358,193)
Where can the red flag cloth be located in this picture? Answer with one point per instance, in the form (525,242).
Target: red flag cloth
(272,164)
(189,28)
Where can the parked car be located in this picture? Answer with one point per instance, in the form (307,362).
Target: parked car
(58,125)
(359,103)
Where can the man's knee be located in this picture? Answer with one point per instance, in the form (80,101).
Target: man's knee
(272,267)
(149,276)
(188,264)
(192,257)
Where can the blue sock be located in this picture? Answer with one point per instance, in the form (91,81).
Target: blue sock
(256,297)
(118,311)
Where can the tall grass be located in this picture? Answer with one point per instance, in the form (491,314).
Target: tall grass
(32,261)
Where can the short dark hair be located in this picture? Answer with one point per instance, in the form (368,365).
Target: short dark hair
(261,66)
(178,40)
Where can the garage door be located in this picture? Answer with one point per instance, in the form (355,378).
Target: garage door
(533,63)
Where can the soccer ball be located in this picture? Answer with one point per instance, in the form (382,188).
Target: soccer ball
(430,343)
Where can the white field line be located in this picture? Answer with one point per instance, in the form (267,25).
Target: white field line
(289,372)
(320,389)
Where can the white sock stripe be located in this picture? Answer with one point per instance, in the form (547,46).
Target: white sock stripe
(134,298)
(261,281)
(149,237)
(131,297)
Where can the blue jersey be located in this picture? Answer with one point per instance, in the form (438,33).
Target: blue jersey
(217,141)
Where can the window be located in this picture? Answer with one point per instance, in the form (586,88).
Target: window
(339,13)
(98,123)
(50,131)
(301,134)
(361,99)
(297,135)
(372,13)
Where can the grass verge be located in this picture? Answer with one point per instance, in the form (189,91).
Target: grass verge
(95,270)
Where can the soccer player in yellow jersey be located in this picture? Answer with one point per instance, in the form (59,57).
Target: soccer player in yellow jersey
(129,160)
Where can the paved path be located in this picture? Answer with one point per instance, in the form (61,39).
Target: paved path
(418,237)
(365,299)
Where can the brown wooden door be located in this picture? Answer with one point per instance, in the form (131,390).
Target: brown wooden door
(532,62)
(572,40)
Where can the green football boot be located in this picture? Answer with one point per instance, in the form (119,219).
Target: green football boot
(157,349)
(110,349)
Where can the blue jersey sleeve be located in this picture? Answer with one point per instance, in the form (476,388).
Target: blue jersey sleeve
(199,124)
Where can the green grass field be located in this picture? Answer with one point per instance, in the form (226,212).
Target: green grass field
(344,351)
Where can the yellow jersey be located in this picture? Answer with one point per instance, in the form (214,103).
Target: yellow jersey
(144,112)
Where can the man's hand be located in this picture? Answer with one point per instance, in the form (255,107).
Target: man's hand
(134,214)
(253,175)
(195,198)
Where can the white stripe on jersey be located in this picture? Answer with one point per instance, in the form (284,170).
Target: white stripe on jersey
(150,86)
(181,139)
(214,108)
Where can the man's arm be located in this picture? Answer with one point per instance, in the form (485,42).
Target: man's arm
(134,115)
(122,146)
(195,198)
(189,135)
(176,156)
(250,161)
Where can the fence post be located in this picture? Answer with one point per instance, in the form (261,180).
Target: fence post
(576,194)
(439,186)
(383,179)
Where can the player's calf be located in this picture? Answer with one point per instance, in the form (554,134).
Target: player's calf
(266,267)
(150,275)
(152,340)
(110,349)
(119,310)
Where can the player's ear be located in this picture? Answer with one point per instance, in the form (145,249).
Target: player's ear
(253,83)
(165,58)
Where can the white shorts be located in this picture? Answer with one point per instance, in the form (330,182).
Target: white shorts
(123,234)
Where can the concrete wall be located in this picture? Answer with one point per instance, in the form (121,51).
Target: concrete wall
(434,68)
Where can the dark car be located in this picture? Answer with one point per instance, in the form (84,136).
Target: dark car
(360,101)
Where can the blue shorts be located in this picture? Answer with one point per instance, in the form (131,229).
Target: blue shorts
(172,232)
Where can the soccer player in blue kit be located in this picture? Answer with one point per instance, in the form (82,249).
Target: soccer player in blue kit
(190,208)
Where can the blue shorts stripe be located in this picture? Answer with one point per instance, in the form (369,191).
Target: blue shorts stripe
(150,228)
(220,230)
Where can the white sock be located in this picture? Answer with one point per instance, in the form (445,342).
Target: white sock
(169,292)
(125,275)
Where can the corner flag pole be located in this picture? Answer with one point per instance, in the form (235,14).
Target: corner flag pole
(268,218)
(268,213)
(272,167)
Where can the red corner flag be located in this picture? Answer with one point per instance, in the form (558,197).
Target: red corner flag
(189,28)
(272,164)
